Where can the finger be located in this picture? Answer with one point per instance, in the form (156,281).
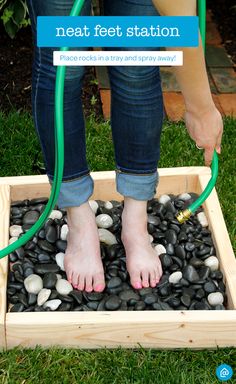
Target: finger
(218,143)
(208,154)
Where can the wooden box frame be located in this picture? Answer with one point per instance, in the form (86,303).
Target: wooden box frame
(150,329)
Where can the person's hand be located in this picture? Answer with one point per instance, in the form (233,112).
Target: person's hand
(206,129)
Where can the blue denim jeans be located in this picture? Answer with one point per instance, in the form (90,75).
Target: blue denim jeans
(136,112)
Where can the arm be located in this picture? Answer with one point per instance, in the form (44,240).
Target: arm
(203,120)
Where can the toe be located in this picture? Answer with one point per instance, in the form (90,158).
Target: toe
(135,280)
(145,279)
(88,284)
(74,279)
(153,279)
(98,282)
(69,274)
(81,283)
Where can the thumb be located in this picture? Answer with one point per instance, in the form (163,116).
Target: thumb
(208,154)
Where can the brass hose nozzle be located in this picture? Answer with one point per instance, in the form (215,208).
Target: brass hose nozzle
(182,216)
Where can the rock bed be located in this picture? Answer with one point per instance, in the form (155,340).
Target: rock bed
(191,277)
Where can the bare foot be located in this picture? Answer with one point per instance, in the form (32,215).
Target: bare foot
(143,263)
(83,262)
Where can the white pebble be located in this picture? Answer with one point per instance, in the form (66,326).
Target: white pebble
(15,230)
(63,287)
(106,237)
(64,232)
(215,298)
(202,219)
(59,277)
(163,199)
(52,304)
(151,238)
(33,284)
(212,262)
(160,249)
(43,296)
(13,239)
(104,221)
(184,196)
(94,205)
(175,277)
(108,205)
(60,260)
(55,214)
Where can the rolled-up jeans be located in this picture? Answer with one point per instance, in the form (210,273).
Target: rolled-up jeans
(136,112)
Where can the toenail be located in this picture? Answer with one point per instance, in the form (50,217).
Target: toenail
(99,287)
(75,286)
(138,285)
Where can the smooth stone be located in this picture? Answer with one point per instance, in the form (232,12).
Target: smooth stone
(166,260)
(217,275)
(184,196)
(58,276)
(15,230)
(189,247)
(190,274)
(182,236)
(157,306)
(49,280)
(212,262)
(200,294)
(154,220)
(22,299)
(173,301)
(200,306)
(94,296)
(46,246)
(65,298)
(28,271)
(219,307)
(204,272)
(160,249)
(164,306)
(149,299)
(64,232)
(163,199)
(64,307)
(114,282)
(52,304)
(61,245)
(51,234)
(209,287)
(93,205)
(189,291)
(215,298)
(43,296)
(13,239)
(129,295)
(195,262)
(175,277)
(202,219)
(170,249)
(104,221)
(113,303)
(63,287)
(60,260)
(43,258)
(140,306)
(185,300)
(108,205)
(171,236)
(144,291)
(32,299)
(184,282)
(106,236)
(165,290)
(30,217)
(45,268)
(16,285)
(33,284)
(19,307)
(55,214)
(77,296)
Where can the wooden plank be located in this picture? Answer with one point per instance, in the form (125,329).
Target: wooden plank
(150,329)
(221,240)
(4,237)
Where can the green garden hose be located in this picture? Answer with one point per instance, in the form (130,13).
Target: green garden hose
(182,216)
(59,147)
(59,150)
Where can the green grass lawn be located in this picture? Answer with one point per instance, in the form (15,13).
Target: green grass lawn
(20,153)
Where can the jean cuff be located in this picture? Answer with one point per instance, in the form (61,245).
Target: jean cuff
(138,187)
(76,192)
